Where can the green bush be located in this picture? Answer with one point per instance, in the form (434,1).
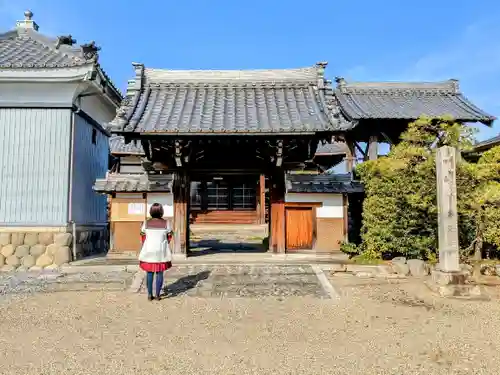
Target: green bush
(399,210)
(349,248)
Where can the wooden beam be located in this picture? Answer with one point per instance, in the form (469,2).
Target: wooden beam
(181,189)
(277,195)
(360,150)
(387,139)
(346,217)
(146,146)
(261,203)
(350,156)
(279,153)
(372,153)
(178,153)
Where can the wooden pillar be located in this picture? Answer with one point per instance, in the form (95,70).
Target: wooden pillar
(181,189)
(373,147)
(350,157)
(277,222)
(203,191)
(261,200)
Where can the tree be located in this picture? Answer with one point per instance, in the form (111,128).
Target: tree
(481,204)
(400,211)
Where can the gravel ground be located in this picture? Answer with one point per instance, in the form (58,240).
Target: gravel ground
(376,328)
(25,284)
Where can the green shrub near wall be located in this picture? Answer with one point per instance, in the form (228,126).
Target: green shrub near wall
(400,211)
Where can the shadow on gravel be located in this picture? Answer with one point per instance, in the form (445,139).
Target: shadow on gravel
(184,284)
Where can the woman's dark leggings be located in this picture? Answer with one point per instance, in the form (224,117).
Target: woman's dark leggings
(159,283)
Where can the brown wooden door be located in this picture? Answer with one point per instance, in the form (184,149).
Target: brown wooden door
(299,228)
(126,236)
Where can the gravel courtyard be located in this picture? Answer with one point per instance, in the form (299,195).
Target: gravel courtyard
(377,327)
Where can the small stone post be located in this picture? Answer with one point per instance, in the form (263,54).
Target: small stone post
(446,160)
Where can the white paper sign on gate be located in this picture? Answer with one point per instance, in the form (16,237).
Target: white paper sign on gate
(136,208)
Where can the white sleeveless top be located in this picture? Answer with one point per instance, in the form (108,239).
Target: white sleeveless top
(155,248)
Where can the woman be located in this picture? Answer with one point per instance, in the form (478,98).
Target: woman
(155,256)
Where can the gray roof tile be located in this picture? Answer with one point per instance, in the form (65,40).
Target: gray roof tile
(21,49)
(118,146)
(133,183)
(258,101)
(322,184)
(403,100)
(26,48)
(335,148)
(487,144)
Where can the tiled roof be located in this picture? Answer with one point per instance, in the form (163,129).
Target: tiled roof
(117,145)
(403,100)
(134,183)
(26,48)
(324,183)
(487,144)
(335,148)
(253,101)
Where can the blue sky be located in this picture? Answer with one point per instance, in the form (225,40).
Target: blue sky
(361,40)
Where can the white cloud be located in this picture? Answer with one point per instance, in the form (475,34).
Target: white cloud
(474,54)
(472,57)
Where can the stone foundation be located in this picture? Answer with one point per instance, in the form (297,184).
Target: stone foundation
(34,249)
(455,284)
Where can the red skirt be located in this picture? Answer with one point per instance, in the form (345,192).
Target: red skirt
(155,267)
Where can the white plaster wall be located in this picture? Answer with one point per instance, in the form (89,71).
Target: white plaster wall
(165,199)
(37,94)
(97,107)
(129,195)
(45,94)
(332,204)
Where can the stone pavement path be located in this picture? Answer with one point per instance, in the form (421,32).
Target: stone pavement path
(203,281)
(237,281)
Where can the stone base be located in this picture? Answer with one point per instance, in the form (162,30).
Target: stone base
(44,247)
(449,278)
(455,284)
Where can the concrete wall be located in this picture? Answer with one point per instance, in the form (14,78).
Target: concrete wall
(34,164)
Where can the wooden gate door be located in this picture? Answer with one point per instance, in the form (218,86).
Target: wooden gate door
(127,216)
(299,228)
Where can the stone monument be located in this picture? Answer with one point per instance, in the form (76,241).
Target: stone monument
(449,260)
(448,279)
